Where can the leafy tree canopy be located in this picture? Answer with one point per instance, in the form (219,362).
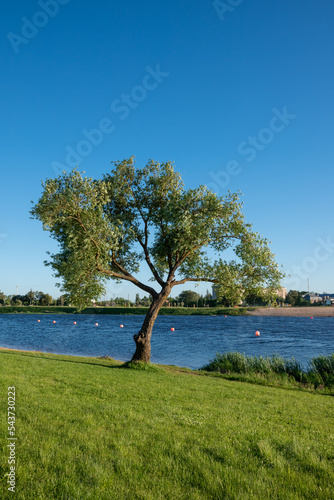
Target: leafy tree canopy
(107,227)
(188,297)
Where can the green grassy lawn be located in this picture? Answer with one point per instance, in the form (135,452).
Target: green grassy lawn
(91,428)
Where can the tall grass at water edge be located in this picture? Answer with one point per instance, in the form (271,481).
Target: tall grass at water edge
(319,371)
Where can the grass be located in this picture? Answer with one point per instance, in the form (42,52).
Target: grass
(319,373)
(181,311)
(37,309)
(92,428)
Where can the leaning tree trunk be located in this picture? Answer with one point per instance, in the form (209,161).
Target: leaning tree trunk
(143,338)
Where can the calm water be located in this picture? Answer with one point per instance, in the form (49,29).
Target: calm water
(195,341)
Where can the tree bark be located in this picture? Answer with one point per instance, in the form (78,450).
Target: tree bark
(143,338)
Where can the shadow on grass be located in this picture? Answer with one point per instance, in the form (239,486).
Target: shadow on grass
(128,365)
(105,362)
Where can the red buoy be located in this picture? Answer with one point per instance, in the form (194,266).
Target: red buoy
(311,317)
(96,324)
(121,326)
(257,333)
(38,321)
(172,329)
(74,322)
(53,321)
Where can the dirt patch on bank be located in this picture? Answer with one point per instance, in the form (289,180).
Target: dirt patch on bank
(316,312)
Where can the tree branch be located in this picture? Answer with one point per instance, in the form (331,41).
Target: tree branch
(181,282)
(127,277)
(148,259)
(169,257)
(144,245)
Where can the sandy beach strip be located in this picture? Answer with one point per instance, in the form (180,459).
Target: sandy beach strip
(315,312)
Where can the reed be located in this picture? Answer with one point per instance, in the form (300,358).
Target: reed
(319,372)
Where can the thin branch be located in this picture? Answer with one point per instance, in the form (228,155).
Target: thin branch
(180,261)
(181,282)
(169,256)
(125,274)
(149,262)
(127,277)
(144,245)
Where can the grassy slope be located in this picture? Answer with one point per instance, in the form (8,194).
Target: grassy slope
(92,429)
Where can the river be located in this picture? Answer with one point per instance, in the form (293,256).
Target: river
(194,342)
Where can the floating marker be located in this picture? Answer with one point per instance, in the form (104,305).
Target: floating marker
(121,326)
(38,321)
(225,316)
(257,333)
(74,322)
(172,329)
(53,322)
(96,324)
(311,317)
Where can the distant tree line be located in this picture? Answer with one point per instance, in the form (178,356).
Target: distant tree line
(187,298)
(33,299)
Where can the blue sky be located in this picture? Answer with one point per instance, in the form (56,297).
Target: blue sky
(239,94)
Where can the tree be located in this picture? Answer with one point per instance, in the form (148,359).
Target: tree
(3,298)
(31,296)
(294,297)
(188,297)
(19,300)
(46,300)
(257,299)
(106,227)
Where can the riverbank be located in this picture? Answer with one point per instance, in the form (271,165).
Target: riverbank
(319,311)
(132,311)
(163,430)
(315,312)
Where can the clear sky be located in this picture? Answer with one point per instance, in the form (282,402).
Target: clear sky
(238,93)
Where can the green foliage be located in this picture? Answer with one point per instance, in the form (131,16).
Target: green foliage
(294,297)
(106,227)
(188,297)
(37,309)
(320,370)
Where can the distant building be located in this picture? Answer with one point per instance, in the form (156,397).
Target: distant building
(282,292)
(327,299)
(312,298)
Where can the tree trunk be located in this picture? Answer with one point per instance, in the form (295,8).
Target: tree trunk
(143,338)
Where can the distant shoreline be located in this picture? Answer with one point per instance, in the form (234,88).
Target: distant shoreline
(315,311)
